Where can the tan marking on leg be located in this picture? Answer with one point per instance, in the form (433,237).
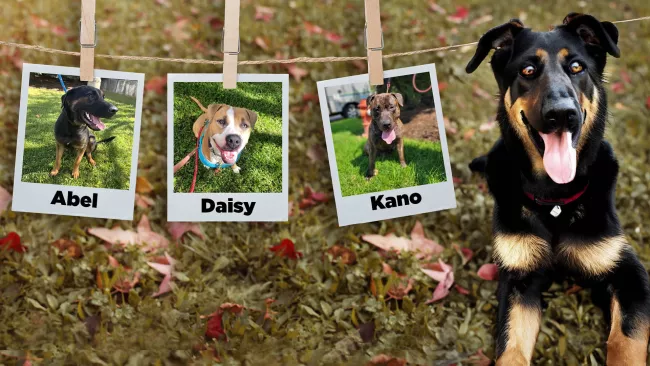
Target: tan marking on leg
(594,259)
(57,162)
(514,114)
(542,54)
(591,107)
(90,159)
(623,350)
(77,161)
(521,252)
(562,54)
(523,326)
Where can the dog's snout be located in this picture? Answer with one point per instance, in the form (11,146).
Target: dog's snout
(113,109)
(233,141)
(386,122)
(560,113)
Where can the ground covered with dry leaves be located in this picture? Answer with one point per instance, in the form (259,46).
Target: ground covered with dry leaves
(306,291)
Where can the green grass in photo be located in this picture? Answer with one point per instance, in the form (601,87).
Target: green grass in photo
(261,159)
(425,164)
(113,159)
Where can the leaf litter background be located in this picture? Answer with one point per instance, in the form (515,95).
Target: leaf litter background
(240,293)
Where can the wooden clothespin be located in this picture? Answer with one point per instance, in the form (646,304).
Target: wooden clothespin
(374,42)
(230,44)
(87,40)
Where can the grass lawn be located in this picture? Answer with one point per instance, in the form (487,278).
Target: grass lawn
(261,159)
(113,159)
(424,162)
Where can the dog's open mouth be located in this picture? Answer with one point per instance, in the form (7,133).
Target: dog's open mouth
(228,156)
(558,151)
(92,121)
(388,136)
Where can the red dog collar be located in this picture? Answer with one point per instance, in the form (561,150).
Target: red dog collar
(557,201)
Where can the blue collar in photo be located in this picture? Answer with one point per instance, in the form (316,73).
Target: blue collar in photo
(207,162)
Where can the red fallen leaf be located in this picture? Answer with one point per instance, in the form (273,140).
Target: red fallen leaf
(436,8)
(38,22)
(11,242)
(461,289)
(449,128)
(261,43)
(385,360)
(144,237)
(346,255)
(59,30)
(286,249)
(124,282)
(215,326)
(488,272)
(425,248)
(465,253)
(177,30)
(460,15)
(647,105)
(291,208)
(144,201)
(142,185)
(625,76)
(5,198)
(480,20)
(469,134)
(264,13)
(486,126)
(166,269)
(442,85)
(268,313)
(178,229)
(156,84)
(67,247)
(312,28)
(215,23)
(457,181)
(402,287)
(333,37)
(479,359)
(297,72)
(618,87)
(443,273)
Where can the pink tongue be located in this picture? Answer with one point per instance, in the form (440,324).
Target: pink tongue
(229,156)
(97,122)
(559,156)
(388,136)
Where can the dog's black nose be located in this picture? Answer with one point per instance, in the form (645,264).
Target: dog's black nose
(561,113)
(113,109)
(233,141)
(386,123)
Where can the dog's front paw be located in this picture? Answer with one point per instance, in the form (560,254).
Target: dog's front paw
(374,172)
(92,162)
(403,164)
(236,169)
(54,172)
(75,173)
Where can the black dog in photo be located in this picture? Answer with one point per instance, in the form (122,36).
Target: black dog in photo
(553,179)
(385,132)
(81,110)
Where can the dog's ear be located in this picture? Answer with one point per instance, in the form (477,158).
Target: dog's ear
(213,109)
(497,37)
(400,98)
(594,32)
(369,100)
(252,117)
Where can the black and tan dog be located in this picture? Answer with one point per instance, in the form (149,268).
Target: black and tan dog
(225,133)
(553,179)
(385,132)
(81,109)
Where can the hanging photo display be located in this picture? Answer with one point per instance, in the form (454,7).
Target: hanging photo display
(77,145)
(386,145)
(228,148)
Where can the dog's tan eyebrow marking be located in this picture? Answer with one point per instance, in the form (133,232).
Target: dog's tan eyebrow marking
(514,115)
(596,258)
(591,108)
(523,252)
(542,54)
(563,54)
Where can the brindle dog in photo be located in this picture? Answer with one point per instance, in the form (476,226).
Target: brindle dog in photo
(81,110)
(385,132)
(553,178)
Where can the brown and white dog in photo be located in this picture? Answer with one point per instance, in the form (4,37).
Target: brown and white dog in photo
(385,132)
(226,131)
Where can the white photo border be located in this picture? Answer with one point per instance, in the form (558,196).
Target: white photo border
(37,197)
(357,209)
(187,206)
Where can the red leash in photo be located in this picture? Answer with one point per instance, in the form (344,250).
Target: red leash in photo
(186,159)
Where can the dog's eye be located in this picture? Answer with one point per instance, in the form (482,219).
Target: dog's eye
(576,67)
(528,71)
(244,126)
(222,121)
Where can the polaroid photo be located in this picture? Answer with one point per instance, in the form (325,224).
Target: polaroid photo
(228,149)
(386,145)
(77,147)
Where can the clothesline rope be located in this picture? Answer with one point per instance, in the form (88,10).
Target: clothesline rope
(258,62)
